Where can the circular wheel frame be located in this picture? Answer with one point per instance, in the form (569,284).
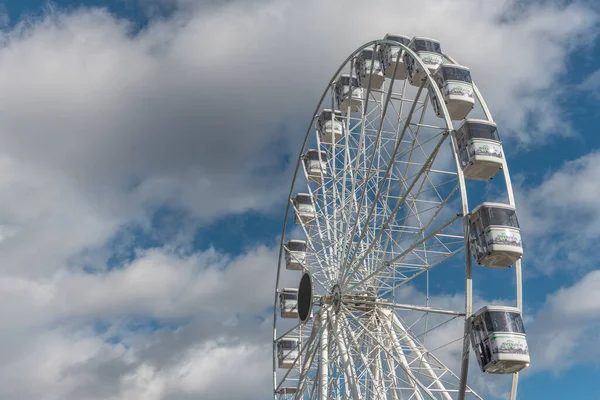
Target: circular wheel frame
(390,205)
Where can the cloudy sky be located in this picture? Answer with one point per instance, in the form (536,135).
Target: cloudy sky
(146,149)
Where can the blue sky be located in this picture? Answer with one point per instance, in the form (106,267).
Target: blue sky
(147,152)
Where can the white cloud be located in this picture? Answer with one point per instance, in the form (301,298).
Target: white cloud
(164,101)
(60,365)
(134,113)
(243,364)
(560,219)
(591,83)
(187,111)
(49,343)
(155,285)
(564,332)
(46,219)
(560,216)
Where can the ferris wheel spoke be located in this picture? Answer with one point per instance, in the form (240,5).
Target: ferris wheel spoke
(335,377)
(342,207)
(399,157)
(329,208)
(411,379)
(397,207)
(405,178)
(413,210)
(378,195)
(398,350)
(319,221)
(414,245)
(350,215)
(375,184)
(341,203)
(362,371)
(323,369)
(368,176)
(313,390)
(417,145)
(432,184)
(334,154)
(346,359)
(394,238)
(378,382)
(361,331)
(408,278)
(416,214)
(368,170)
(415,135)
(323,219)
(431,362)
(391,363)
(425,370)
(348,262)
(387,194)
(424,309)
(320,275)
(371,359)
(401,273)
(391,371)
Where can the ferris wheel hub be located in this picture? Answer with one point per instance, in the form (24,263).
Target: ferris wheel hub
(336,292)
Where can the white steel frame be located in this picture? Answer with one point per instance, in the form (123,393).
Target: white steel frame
(360,348)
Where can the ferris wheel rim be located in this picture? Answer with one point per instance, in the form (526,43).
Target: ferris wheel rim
(449,128)
(303,147)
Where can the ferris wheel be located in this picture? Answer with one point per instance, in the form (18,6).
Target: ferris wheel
(378,220)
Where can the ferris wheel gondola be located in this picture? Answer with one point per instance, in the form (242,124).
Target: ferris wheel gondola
(499,340)
(369,70)
(391,58)
(479,149)
(454,81)
(429,57)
